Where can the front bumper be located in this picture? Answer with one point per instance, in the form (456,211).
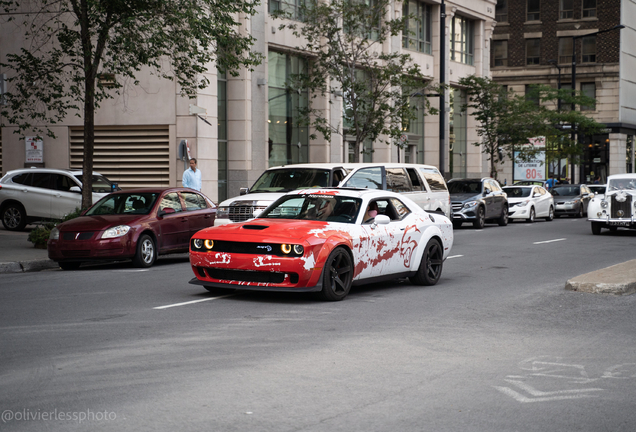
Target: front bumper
(518,212)
(567,209)
(91,250)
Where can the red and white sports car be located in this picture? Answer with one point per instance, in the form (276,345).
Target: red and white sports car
(324,240)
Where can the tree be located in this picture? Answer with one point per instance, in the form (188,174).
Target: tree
(72,43)
(343,40)
(507,121)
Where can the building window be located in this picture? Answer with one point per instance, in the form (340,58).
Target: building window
(288,137)
(589,90)
(462,40)
(588,49)
(532,94)
(499,53)
(501,11)
(566,9)
(589,8)
(533,51)
(565,50)
(417,35)
(533,10)
(222,134)
(291,7)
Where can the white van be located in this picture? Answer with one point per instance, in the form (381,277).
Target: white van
(422,183)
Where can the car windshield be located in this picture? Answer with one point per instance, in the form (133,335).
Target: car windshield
(517,192)
(456,187)
(130,203)
(622,184)
(327,208)
(565,191)
(597,189)
(101,184)
(285,180)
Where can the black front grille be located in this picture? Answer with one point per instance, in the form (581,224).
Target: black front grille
(625,207)
(77,236)
(248,275)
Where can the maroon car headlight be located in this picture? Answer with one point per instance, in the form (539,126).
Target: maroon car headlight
(55,234)
(115,232)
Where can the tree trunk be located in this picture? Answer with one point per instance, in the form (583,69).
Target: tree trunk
(89,144)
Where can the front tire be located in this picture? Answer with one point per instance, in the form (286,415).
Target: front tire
(481,219)
(337,275)
(531,216)
(146,252)
(596,228)
(503,219)
(430,268)
(14,217)
(580,213)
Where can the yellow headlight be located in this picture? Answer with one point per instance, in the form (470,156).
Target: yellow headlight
(209,244)
(285,248)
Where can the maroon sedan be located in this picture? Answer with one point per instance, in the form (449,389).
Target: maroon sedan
(136,223)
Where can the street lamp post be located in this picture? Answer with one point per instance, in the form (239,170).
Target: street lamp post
(574,38)
(442,90)
(556,64)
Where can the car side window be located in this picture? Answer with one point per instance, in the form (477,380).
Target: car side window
(42,180)
(193,201)
(487,187)
(401,210)
(366,178)
(495,186)
(338,176)
(397,181)
(172,201)
(62,182)
(434,179)
(23,179)
(416,181)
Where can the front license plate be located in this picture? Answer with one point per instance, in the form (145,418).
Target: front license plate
(623,224)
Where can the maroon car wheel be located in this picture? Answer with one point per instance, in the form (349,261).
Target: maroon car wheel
(337,275)
(146,252)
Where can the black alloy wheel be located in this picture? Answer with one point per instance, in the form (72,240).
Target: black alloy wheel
(430,268)
(337,275)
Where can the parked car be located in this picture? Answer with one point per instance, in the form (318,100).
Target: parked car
(478,200)
(424,184)
(597,189)
(137,223)
(33,194)
(617,207)
(529,203)
(571,199)
(276,182)
(320,240)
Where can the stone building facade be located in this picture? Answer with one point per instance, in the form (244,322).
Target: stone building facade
(239,126)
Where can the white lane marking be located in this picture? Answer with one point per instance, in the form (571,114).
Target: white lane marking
(454,256)
(549,241)
(193,302)
(131,270)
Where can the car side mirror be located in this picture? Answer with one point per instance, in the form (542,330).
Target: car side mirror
(75,189)
(382,220)
(164,211)
(243,191)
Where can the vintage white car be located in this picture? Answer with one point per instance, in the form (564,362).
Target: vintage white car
(617,208)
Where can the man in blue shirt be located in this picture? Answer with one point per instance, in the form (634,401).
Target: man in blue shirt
(192,176)
(549,184)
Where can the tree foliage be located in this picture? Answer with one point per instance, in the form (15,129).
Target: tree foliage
(343,40)
(72,43)
(507,121)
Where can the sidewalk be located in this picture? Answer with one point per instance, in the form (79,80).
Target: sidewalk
(17,254)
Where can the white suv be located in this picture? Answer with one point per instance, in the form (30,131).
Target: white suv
(33,194)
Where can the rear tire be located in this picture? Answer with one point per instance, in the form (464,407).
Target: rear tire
(14,217)
(146,252)
(337,275)
(430,268)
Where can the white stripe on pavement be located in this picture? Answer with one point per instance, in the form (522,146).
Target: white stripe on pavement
(192,302)
(455,256)
(549,241)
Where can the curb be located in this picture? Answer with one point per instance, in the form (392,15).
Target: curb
(27,266)
(619,279)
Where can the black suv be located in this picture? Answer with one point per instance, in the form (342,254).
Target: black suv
(478,201)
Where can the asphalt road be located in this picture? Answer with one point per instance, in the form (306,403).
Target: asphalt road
(497,345)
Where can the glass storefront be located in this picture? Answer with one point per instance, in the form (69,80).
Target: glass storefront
(222,134)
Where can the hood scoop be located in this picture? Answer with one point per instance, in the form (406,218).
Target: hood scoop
(255,227)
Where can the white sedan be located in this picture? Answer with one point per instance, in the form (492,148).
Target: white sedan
(529,203)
